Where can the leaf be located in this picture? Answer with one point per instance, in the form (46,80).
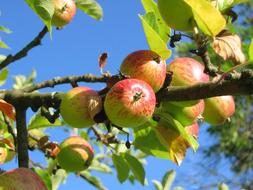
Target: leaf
(136,167)
(157,185)
(223,186)
(58,178)
(251,50)
(221,4)
(2,58)
(44,175)
(38,121)
(93,180)
(91,8)
(4,29)
(146,140)
(7,109)
(102,61)
(22,81)
(208,18)
(4,45)
(168,179)
(100,167)
(3,76)
(229,47)
(155,42)
(121,167)
(44,9)
(163,28)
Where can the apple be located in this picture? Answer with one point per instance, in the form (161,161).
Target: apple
(177,14)
(218,109)
(79,106)
(6,155)
(145,65)
(186,115)
(64,12)
(21,179)
(76,154)
(186,72)
(130,103)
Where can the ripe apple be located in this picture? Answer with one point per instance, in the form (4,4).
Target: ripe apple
(130,103)
(79,106)
(76,154)
(185,115)
(64,12)
(21,179)
(218,109)
(177,14)
(145,65)
(186,72)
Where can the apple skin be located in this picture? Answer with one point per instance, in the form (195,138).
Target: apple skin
(186,72)
(130,103)
(145,65)
(64,12)
(76,154)
(21,179)
(79,106)
(218,109)
(185,115)
(177,14)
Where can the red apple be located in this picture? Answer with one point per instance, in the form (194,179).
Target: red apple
(186,72)
(218,109)
(145,65)
(130,103)
(76,154)
(79,106)
(21,179)
(64,12)
(185,115)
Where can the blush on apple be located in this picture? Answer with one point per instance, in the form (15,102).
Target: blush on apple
(79,106)
(76,154)
(218,109)
(130,103)
(145,65)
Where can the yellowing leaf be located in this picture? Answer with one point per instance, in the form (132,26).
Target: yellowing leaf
(7,109)
(208,18)
(228,46)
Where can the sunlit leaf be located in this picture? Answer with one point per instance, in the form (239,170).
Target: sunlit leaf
(157,185)
(208,18)
(93,180)
(168,179)
(4,29)
(136,167)
(100,167)
(121,167)
(4,45)
(91,8)
(155,42)
(58,178)
(223,186)
(3,76)
(7,109)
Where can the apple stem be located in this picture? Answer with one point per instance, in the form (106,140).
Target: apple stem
(137,96)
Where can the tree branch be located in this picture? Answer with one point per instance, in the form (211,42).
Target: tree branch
(23,52)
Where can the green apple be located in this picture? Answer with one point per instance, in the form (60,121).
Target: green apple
(177,14)
(79,106)
(75,154)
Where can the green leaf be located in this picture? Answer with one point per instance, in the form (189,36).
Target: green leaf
(2,58)
(121,167)
(251,50)
(93,180)
(38,121)
(100,167)
(91,8)
(208,18)
(164,29)
(180,128)
(136,167)
(155,42)
(44,176)
(4,29)
(4,45)
(157,185)
(3,76)
(168,179)
(146,140)
(58,178)
(22,81)
(239,1)
(44,9)
(223,186)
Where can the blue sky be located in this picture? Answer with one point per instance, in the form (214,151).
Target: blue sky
(74,51)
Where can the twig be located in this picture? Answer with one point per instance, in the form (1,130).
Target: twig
(10,129)
(105,139)
(67,79)
(22,137)
(23,52)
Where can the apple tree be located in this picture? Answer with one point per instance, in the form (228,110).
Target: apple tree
(159,105)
